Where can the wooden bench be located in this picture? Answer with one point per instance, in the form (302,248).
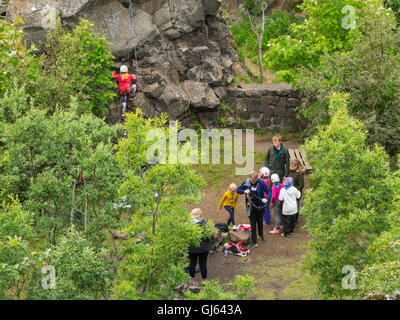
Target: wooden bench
(301,156)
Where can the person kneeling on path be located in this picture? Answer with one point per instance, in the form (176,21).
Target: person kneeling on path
(199,253)
(255,189)
(289,195)
(125,87)
(229,201)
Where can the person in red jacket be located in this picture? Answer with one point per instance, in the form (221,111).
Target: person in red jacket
(125,87)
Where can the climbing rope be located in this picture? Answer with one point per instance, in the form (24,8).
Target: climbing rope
(134,41)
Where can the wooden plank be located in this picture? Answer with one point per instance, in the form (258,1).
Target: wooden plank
(298,156)
(307,164)
(292,154)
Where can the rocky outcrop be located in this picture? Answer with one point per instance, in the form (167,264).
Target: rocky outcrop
(182,46)
(186,62)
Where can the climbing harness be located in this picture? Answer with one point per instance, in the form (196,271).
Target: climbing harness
(252,203)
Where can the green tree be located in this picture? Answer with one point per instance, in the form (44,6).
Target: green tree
(14,56)
(159,231)
(348,204)
(73,63)
(63,169)
(256,13)
(369,72)
(322,32)
(382,274)
(395,6)
(82,272)
(17,261)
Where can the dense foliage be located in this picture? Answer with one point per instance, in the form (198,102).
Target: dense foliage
(76,185)
(350,201)
(369,72)
(72,64)
(159,230)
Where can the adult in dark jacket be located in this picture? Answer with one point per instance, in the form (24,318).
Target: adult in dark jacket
(277,158)
(199,253)
(255,189)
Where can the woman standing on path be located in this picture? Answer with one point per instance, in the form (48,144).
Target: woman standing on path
(199,253)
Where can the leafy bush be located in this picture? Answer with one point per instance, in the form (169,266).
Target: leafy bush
(155,254)
(82,272)
(320,33)
(277,24)
(14,56)
(243,288)
(63,169)
(73,64)
(382,274)
(350,199)
(395,6)
(17,261)
(369,71)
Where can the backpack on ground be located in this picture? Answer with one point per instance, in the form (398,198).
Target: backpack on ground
(223,227)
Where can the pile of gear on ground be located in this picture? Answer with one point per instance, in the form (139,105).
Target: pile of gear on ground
(237,239)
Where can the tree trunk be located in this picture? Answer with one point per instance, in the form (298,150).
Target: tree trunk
(260,40)
(152,249)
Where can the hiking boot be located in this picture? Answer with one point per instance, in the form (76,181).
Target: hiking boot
(275,231)
(262,239)
(253,245)
(285,235)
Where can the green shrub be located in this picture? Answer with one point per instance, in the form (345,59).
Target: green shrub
(277,24)
(350,200)
(74,63)
(369,71)
(243,288)
(82,272)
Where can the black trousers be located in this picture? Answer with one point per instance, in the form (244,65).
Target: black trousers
(202,258)
(256,223)
(289,223)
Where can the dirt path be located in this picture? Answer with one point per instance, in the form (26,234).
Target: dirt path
(275,264)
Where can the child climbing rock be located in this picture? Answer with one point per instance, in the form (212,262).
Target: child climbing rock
(229,201)
(125,87)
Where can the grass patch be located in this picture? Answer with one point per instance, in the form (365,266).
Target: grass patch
(301,289)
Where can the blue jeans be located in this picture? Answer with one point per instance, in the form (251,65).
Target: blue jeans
(267,214)
(231,215)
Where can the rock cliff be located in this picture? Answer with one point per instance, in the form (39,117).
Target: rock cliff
(183,47)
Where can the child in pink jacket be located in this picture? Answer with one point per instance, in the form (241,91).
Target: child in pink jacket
(276,189)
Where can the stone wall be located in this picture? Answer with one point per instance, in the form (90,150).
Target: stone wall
(269,106)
